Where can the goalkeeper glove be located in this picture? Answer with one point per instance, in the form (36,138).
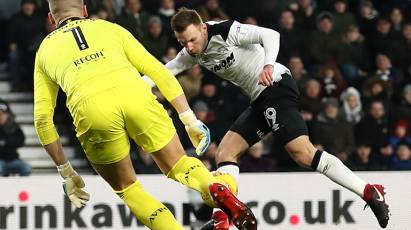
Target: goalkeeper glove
(197,131)
(73,185)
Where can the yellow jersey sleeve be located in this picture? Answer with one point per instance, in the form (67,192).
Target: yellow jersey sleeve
(145,63)
(45,95)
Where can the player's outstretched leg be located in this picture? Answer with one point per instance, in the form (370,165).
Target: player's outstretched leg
(148,210)
(191,172)
(306,155)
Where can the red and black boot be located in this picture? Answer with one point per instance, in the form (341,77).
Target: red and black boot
(219,221)
(374,195)
(239,213)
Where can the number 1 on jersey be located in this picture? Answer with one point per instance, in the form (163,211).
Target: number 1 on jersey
(80,39)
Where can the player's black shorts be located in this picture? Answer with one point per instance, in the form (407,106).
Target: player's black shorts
(275,110)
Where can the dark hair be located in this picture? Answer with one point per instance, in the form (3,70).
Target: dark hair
(404,142)
(28,2)
(184,18)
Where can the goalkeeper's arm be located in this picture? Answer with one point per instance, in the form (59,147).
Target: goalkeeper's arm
(45,94)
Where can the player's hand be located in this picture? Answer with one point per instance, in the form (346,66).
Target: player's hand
(266,77)
(73,185)
(197,131)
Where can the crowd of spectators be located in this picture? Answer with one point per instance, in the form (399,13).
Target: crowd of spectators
(350,59)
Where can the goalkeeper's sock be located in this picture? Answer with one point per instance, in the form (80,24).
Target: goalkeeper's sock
(148,210)
(191,172)
(335,170)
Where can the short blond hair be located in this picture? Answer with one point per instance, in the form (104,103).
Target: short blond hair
(64,8)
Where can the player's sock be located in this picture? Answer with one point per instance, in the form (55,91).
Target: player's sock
(335,170)
(230,168)
(191,172)
(148,210)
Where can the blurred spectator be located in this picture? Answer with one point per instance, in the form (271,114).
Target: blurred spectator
(207,116)
(144,163)
(221,109)
(400,133)
(384,40)
(26,31)
(351,109)
(104,9)
(93,6)
(170,54)
(8,8)
(200,109)
(291,42)
(352,55)
(254,161)
(166,11)
(402,158)
(134,18)
(111,7)
(334,134)
(311,99)
(342,18)
(373,128)
(405,54)
(387,72)
(324,43)
(101,13)
(403,111)
(374,88)
(332,81)
(397,19)
(386,155)
(11,138)
(250,20)
(299,73)
(211,10)
(367,18)
(191,81)
(304,14)
(155,41)
(363,159)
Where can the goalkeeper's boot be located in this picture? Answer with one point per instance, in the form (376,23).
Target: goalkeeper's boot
(219,221)
(239,213)
(374,195)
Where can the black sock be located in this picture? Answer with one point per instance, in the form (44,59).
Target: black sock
(316,160)
(221,164)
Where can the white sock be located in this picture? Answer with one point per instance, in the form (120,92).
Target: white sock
(335,170)
(231,169)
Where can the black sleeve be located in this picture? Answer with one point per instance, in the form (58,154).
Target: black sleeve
(222,28)
(14,136)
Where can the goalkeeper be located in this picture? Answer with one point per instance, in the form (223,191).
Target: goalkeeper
(97,65)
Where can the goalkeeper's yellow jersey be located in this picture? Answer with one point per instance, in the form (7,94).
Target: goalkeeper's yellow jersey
(84,57)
